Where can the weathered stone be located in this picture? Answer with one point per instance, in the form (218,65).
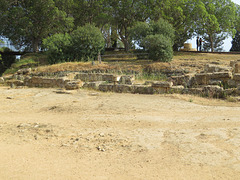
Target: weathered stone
(162,84)
(213,91)
(214,82)
(126,80)
(92,77)
(176,89)
(221,75)
(123,88)
(14,83)
(92,85)
(232,83)
(202,78)
(211,68)
(73,85)
(237,67)
(230,91)
(194,91)
(236,77)
(25,71)
(2,80)
(71,76)
(142,89)
(185,80)
(106,87)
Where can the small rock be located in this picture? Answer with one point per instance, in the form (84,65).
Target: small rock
(101,134)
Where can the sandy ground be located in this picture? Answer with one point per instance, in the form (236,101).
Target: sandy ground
(46,134)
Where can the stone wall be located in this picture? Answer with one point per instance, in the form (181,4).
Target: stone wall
(214,81)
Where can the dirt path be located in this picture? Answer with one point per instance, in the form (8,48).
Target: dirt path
(46,134)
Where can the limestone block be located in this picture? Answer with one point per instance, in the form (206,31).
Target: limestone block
(232,83)
(231,91)
(236,77)
(123,88)
(37,80)
(71,76)
(60,82)
(211,68)
(176,89)
(184,80)
(142,89)
(93,85)
(126,80)
(237,67)
(194,91)
(162,84)
(14,82)
(221,75)
(73,85)
(47,81)
(202,78)
(213,91)
(214,82)
(106,87)
(25,71)
(2,80)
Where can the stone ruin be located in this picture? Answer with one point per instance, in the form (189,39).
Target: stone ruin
(214,81)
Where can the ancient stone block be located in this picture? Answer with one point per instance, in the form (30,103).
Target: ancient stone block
(221,75)
(2,80)
(213,91)
(202,78)
(93,85)
(106,87)
(176,89)
(123,88)
(25,71)
(73,85)
(236,77)
(162,84)
(126,80)
(211,68)
(237,67)
(142,89)
(184,80)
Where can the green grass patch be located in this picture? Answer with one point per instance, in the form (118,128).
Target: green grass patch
(151,77)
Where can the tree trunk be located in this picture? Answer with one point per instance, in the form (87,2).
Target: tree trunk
(35,45)
(124,40)
(211,43)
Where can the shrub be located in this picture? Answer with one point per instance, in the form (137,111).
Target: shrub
(159,47)
(82,45)
(87,42)
(58,48)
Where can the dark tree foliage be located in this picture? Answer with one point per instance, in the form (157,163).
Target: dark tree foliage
(236,42)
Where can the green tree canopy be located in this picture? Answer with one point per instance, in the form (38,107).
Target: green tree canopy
(215,17)
(27,22)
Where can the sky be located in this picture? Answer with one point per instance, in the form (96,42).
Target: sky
(227,43)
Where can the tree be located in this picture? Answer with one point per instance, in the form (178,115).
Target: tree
(125,13)
(155,37)
(236,42)
(213,18)
(217,42)
(27,22)
(179,13)
(143,29)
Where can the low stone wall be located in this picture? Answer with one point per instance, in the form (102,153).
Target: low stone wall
(210,82)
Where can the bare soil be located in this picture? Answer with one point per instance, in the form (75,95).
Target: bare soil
(53,134)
